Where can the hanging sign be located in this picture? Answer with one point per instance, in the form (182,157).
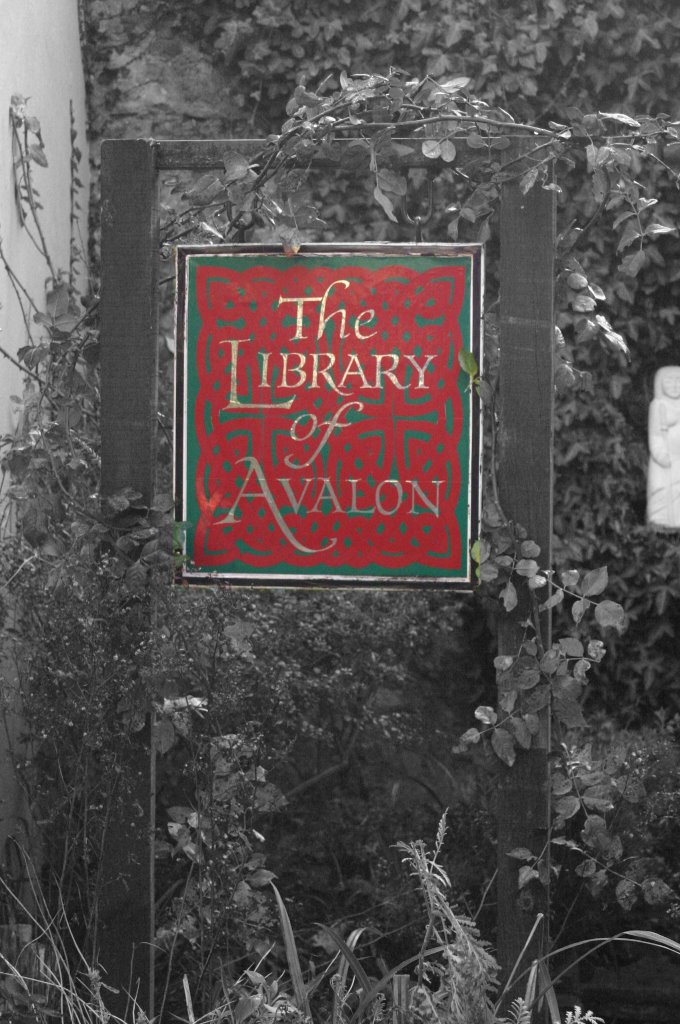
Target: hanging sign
(326,430)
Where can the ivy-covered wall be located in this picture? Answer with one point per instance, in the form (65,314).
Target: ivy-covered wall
(216,69)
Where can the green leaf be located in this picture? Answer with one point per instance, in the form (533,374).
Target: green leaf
(561,785)
(522,733)
(471,736)
(571,646)
(654,230)
(486,714)
(468,363)
(556,598)
(567,806)
(630,234)
(385,202)
(609,614)
(236,167)
(527,567)
(294,969)
(431,148)
(627,893)
(37,154)
(447,151)
(508,596)
(526,874)
(569,713)
(655,891)
(578,609)
(475,141)
(577,281)
(521,853)
(528,180)
(504,746)
(633,264)
(594,582)
(390,181)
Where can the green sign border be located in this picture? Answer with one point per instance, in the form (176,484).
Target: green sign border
(241,573)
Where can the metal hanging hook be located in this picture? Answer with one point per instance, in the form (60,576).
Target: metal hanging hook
(420,220)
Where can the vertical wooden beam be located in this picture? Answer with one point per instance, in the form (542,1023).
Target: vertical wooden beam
(525,482)
(129,401)
(129,315)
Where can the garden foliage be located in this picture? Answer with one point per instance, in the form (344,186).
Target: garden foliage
(303,734)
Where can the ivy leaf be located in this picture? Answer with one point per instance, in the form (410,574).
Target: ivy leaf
(504,746)
(630,234)
(609,614)
(633,264)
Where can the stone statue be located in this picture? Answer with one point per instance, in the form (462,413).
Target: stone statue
(663,478)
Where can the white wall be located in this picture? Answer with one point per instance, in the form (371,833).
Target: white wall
(40,58)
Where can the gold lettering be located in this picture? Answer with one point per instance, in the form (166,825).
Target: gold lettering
(349,372)
(416,489)
(234,402)
(299,322)
(420,370)
(301,375)
(380,373)
(366,314)
(399,493)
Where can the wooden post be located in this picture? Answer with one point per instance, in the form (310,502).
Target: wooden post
(129,397)
(525,440)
